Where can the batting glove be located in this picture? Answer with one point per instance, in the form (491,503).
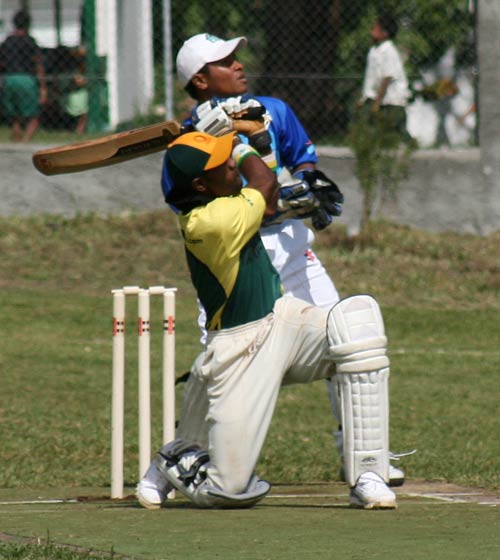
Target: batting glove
(244,107)
(250,118)
(211,118)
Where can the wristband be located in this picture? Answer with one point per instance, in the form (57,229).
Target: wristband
(241,152)
(270,161)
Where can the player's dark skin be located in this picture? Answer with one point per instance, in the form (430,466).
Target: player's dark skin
(226,78)
(225,180)
(223,78)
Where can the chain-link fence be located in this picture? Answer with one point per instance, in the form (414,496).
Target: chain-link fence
(311,53)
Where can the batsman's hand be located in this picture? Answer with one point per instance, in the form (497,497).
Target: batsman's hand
(326,191)
(244,114)
(250,118)
(210,117)
(244,107)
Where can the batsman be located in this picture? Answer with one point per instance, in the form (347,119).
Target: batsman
(259,340)
(208,67)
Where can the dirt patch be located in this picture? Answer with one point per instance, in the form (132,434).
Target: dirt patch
(449,492)
(437,490)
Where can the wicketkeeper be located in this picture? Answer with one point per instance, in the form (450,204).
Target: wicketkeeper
(258,340)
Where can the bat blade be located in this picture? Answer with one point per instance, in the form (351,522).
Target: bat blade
(107,150)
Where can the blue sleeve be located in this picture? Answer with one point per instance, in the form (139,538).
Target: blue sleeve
(292,142)
(166,185)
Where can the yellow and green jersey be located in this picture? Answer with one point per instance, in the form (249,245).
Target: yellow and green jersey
(230,269)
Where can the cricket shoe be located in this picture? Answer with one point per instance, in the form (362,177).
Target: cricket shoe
(396,476)
(153,489)
(371,492)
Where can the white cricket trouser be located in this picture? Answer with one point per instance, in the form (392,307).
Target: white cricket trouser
(302,275)
(301,272)
(234,387)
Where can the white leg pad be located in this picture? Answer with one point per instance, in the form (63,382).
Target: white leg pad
(356,335)
(332,388)
(365,424)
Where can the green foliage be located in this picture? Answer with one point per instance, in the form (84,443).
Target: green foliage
(382,152)
(427,29)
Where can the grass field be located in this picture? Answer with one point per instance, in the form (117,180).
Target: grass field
(45,136)
(440,295)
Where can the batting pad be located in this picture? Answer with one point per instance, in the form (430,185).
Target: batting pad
(357,341)
(184,465)
(356,335)
(256,490)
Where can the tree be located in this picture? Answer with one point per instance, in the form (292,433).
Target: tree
(382,160)
(299,54)
(312,54)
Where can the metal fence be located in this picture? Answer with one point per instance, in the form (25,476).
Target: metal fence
(311,53)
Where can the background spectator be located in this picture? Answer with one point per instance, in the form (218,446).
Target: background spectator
(76,103)
(24,87)
(385,85)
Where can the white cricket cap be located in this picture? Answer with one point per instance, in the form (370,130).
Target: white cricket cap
(202,49)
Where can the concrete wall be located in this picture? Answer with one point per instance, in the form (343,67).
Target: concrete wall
(132,185)
(440,194)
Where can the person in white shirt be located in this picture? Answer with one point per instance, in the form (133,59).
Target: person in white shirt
(385,86)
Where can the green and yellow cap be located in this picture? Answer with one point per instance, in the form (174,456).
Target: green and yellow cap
(193,153)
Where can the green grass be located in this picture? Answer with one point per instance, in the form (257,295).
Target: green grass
(278,529)
(44,551)
(49,136)
(440,295)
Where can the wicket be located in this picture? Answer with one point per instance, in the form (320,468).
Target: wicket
(144,379)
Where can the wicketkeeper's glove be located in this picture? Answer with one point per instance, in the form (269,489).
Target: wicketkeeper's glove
(328,194)
(321,219)
(296,201)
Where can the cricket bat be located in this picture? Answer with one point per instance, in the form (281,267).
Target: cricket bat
(107,150)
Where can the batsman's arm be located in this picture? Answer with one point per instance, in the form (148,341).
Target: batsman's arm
(258,175)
